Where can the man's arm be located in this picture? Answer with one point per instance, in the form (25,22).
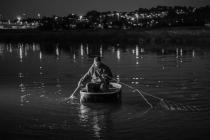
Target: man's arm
(108,73)
(86,76)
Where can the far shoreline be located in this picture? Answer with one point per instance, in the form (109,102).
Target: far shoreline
(173,35)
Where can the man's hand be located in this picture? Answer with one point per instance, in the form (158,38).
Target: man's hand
(72,97)
(80,83)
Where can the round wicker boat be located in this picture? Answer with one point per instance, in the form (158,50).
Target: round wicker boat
(112,95)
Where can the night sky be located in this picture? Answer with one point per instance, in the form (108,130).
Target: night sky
(12,8)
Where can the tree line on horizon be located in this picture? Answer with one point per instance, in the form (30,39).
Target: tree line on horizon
(160,16)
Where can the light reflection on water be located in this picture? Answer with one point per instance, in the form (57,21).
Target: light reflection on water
(37,76)
(118,54)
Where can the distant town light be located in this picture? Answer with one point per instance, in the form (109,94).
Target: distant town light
(39,15)
(118,16)
(19,18)
(80,17)
(137,16)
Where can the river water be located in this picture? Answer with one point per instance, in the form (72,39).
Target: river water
(36,77)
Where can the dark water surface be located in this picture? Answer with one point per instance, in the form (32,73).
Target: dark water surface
(34,78)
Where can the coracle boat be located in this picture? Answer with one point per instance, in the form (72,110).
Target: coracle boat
(113,94)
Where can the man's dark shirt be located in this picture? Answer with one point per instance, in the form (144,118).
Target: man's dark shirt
(95,74)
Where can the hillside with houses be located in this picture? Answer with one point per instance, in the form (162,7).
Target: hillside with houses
(160,16)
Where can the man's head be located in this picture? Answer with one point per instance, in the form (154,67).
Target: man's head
(97,61)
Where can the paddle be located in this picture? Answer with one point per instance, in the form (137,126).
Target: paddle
(72,95)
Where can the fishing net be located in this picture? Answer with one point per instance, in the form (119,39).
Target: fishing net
(162,103)
(170,105)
